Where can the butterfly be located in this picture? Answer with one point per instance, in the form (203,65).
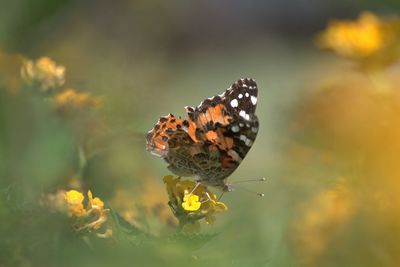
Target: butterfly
(213,140)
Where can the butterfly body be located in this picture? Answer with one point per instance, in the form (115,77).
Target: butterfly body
(211,143)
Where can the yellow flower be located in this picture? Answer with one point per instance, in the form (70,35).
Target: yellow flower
(213,205)
(96,206)
(191,202)
(218,206)
(73,99)
(94,202)
(354,39)
(75,202)
(44,72)
(74,197)
(91,218)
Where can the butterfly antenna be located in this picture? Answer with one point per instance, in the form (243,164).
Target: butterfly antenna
(251,191)
(250,180)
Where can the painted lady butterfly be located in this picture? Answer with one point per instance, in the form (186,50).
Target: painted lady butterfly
(215,138)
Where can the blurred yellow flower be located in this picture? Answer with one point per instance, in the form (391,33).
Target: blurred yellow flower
(354,39)
(44,73)
(70,98)
(350,126)
(74,197)
(97,206)
(75,203)
(91,218)
(191,202)
(94,202)
(322,220)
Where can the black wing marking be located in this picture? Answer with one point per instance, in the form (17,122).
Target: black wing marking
(241,98)
(229,122)
(241,102)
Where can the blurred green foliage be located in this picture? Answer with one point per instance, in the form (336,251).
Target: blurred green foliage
(327,140)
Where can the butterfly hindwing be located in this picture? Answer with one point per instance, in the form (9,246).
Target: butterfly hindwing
(169,133)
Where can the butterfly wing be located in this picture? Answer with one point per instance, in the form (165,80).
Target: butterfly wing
(170,133)
(216,137)
(228,123)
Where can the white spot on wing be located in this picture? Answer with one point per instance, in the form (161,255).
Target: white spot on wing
(235,129)
(234,103)
(244,115)
(240,96)
(247,94)
(243,137)
(248,142)
(253,100)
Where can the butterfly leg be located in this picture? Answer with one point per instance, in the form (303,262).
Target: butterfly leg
(219,198)
(208,198)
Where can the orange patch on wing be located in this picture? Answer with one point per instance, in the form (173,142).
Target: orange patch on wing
(226,162)
(214,114)
(159,143)
(157,134)
(212,136)
(192,131)
(228,142)
(170,124)
(217,114)
(204,118)
(218,138)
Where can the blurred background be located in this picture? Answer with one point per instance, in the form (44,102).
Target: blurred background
(328,140)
